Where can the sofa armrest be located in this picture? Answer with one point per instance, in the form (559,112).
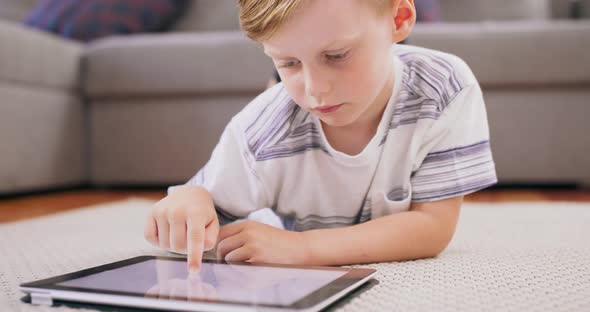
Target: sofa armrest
(33,57)
(512,53)
(172,63)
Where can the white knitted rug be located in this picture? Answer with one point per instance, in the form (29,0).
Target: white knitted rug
(504,257)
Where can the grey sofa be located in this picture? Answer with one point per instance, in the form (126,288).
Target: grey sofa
(534,68)
(135,110)
(148,109)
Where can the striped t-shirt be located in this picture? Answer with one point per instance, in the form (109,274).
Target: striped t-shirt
(432,143)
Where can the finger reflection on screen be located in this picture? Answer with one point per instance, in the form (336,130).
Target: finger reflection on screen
(175,282)
(236,282)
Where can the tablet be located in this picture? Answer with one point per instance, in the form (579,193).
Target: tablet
(164,283)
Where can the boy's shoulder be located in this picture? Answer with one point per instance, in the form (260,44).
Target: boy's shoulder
(424,60)
(270,103)
(272,125)
(434,77)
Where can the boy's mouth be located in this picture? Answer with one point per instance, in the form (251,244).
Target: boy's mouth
(329,109)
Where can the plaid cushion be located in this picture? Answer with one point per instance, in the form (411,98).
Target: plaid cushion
(86,20)
(427,10)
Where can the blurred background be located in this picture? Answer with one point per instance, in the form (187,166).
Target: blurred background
(101,94)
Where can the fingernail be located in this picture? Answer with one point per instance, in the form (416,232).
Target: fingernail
(193,268)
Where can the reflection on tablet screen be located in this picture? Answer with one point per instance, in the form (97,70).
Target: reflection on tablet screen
(224,282)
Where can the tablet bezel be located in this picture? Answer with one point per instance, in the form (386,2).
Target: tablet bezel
(352,277)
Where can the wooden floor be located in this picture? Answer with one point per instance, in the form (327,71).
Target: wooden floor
(26,207)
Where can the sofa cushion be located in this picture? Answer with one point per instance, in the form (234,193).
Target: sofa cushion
(222,15)
(481,10)
(37,58)
(173,64)
(427,10)
(209,15)
(43,137)
(513,53)
(86,20)
(16,10)
(565,9)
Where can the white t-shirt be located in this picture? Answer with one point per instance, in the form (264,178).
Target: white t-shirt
(432,143)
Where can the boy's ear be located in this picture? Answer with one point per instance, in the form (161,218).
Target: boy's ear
(404,18)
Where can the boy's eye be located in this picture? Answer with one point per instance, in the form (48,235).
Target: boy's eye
(288,64)
(337,57)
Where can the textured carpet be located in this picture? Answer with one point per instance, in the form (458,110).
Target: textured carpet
(504,257)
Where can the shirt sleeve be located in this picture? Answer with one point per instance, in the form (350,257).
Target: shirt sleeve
(455,157)
(230,177)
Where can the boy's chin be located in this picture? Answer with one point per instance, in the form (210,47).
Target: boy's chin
(336,122)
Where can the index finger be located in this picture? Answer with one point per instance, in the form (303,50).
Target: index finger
(195,245)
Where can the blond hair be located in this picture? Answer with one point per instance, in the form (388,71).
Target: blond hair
(260,19)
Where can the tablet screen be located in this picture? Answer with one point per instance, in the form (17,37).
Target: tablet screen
(158,278)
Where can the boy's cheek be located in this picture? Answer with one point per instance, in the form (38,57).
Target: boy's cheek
(297,93)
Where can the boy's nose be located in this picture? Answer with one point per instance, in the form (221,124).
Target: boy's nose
(317,84)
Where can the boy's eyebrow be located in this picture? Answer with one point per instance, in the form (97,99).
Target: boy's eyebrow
(345,39)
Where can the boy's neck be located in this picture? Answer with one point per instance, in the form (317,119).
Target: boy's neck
(349,140)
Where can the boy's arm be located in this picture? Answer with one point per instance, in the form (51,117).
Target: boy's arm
(422,232)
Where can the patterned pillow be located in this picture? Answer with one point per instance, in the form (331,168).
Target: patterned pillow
(86,20)
(427,10)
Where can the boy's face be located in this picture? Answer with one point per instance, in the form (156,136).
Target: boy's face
(334,58)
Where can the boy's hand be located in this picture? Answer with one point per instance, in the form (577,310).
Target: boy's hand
(185,222)
(257,242)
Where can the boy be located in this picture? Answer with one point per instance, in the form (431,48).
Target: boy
(364,151)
